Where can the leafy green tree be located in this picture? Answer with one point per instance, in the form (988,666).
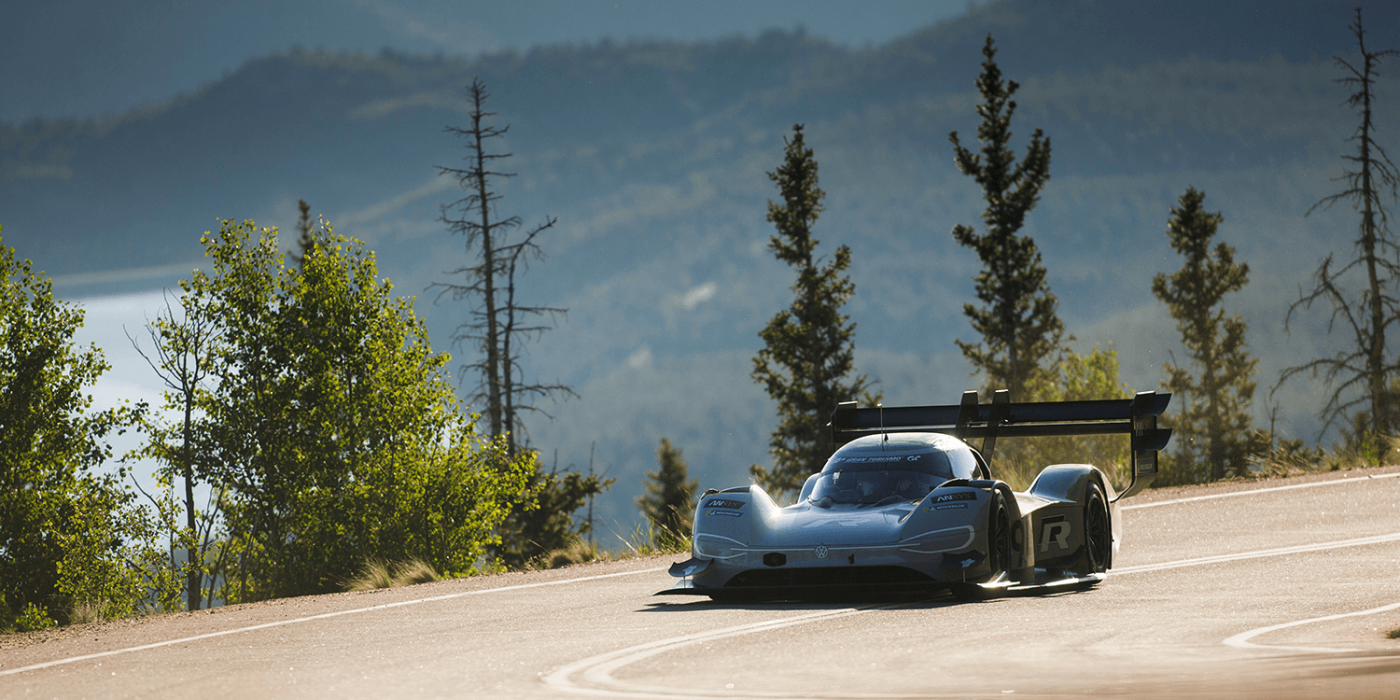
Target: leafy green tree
(1021,332)
(182,356)
(1075,377)
(50,501)
(112,566)
(808,348)
(670,497)
(1360,376)
(331,432)
(1216,387)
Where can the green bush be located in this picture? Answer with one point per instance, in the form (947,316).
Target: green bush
(33,618)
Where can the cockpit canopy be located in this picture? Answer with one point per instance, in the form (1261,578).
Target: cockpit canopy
(885,469)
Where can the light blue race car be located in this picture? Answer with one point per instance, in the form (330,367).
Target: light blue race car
(904,505)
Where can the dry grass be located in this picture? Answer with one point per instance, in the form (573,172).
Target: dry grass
(83,613)
(379,574)
(578,552)
(642,542)
(646,541)
(413,572)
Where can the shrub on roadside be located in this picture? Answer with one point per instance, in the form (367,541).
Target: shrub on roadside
(33,618)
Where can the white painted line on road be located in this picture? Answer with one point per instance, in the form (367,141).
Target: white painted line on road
(323,616)
(597,670)
(1241,640)
(1220,558)
(1251,492)
(597,678)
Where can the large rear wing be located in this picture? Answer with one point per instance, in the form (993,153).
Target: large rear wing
(1136,417)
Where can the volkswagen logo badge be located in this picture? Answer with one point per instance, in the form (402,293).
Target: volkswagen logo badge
(821,551)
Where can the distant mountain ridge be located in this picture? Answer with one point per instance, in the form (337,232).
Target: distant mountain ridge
(653,157)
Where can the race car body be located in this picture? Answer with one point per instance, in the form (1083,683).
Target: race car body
(904,504)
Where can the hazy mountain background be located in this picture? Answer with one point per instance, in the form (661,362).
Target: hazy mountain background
(653,156)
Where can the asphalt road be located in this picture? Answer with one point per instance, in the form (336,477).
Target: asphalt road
(1240,590)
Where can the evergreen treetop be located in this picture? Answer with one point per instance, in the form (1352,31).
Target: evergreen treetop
(1216,387)
(670,496)
(1021,332)
(808,348)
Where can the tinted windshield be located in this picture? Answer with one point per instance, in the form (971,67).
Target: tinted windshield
(928,461)
(866,486)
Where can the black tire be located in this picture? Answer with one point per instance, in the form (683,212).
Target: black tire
(1000,551)
(999,543)
(1098,532)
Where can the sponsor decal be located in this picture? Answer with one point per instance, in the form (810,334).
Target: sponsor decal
(724,503)
(875,459)
(1054,532)
(730,513)
(950,497)
(948,506)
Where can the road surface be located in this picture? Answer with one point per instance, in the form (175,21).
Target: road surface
(1275,589)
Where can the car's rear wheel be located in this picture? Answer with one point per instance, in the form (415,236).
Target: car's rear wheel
(1098,532)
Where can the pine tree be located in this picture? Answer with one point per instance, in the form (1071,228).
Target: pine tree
(1369,366)
(1021,332)
(670,496)
(1216,387)
(530,534)
(809,348)
(306,229)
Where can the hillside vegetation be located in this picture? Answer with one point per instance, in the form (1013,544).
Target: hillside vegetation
(653,158)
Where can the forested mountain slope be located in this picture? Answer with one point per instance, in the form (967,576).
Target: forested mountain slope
(653,157)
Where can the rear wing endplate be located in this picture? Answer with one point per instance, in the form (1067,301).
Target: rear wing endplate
(1136,417)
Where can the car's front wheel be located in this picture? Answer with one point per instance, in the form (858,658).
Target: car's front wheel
(1000,549)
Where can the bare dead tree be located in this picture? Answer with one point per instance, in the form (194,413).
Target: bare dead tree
(499,325)
(518,326)
(1365,364)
